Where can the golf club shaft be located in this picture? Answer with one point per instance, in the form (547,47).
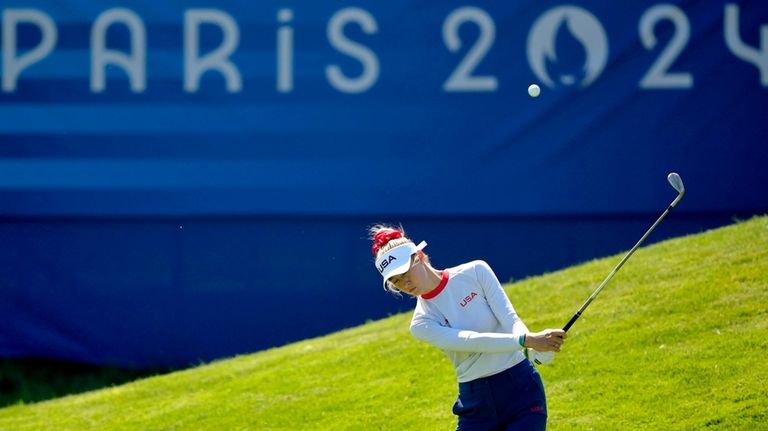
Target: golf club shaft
(624,259)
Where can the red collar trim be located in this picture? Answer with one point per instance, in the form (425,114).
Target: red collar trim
(436,291)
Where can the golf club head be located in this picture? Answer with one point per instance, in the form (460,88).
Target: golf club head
(676,182)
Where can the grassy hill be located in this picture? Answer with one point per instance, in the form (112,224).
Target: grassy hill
(676,341)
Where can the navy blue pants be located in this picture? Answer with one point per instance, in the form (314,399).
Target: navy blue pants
(510,400)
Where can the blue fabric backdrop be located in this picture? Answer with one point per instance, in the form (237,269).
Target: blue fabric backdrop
(181,181)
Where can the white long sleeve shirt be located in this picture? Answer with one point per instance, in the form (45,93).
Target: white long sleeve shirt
(471,319)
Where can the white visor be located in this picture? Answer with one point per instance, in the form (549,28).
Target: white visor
(397,260)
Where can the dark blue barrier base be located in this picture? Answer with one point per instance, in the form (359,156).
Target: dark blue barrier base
(173,292)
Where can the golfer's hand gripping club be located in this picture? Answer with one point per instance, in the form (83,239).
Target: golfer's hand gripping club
(540,347)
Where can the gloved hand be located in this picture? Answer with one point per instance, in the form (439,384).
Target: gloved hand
(539,358)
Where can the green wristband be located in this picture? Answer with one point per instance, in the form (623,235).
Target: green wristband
(521,340)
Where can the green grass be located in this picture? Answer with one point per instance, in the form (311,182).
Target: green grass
(676,341)
(32,380)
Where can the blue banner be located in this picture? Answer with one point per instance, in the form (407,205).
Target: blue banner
(131,120)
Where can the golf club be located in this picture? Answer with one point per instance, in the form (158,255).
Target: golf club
(676,182)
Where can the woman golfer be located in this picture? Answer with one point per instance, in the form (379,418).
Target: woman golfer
(464,311)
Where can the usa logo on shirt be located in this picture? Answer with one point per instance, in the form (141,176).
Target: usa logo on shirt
(468,299)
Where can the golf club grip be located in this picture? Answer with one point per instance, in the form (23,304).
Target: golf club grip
(572,321)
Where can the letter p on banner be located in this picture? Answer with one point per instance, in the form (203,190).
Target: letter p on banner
(13,65)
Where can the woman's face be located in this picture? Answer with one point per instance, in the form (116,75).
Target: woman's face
(414,281)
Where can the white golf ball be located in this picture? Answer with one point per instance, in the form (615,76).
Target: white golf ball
(534,90)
